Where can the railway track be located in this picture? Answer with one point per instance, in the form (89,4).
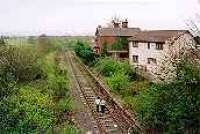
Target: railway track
(115,120)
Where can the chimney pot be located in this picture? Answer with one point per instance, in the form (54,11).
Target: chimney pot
(125,23)
(116,24)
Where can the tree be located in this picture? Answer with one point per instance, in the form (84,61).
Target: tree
(84,51)
(113,19)
(104,50)
(184,46)
(120,44)
(171,106)
(2,41)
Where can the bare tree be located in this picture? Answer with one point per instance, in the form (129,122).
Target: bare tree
(193,27)
(115,18)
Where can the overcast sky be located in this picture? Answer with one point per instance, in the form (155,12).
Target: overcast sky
(82,16)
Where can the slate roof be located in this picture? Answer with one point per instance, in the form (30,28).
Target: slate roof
(156,35)
(126,32)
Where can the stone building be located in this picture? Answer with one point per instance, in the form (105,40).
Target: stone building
(150,50)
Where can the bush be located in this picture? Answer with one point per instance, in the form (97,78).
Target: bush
(173,107)
(20,62)
(65,105)
(127,70)
(58,86)
(27,111)
(29,85)
(2,41)
(120,43)
(107,67)
(84,51)
(118,81)
(57,82)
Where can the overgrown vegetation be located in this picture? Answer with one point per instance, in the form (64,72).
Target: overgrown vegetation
(84,51)
(33,89)
(2,41)
(173,107)
(168,107)
(120,44)
(104,50)
(118,74)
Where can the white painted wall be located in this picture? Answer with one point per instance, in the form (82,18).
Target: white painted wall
(144,53)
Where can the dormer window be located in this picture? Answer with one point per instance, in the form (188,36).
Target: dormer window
(159,46)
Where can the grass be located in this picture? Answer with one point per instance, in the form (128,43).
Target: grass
(38,105)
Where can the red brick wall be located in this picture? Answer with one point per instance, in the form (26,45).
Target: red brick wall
(104,39)
(107,39)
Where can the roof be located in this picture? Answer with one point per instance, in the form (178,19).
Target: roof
(157,35)
(126,32)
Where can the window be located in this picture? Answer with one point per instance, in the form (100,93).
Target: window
(135,58)
(135,44)
(151,60)
(159,46)
(148,45)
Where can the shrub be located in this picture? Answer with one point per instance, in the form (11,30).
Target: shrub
(58,85)
(84,51)
(20,62)
(118,81)
(2,41)
(107,67)
(27,111)
(56,79)
(128,70)
(104,50)
(172,107)
(65,104)
(120,43)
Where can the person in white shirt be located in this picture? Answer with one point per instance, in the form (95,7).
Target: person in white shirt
(97,102)
(103,105)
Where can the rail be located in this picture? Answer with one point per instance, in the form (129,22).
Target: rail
(102,91)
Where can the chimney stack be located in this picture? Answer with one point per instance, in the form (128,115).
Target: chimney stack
(116,24)
(125,23)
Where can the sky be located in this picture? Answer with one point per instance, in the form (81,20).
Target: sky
(81,17)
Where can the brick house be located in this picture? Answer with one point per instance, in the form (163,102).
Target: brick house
(148,49)
(108,35)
